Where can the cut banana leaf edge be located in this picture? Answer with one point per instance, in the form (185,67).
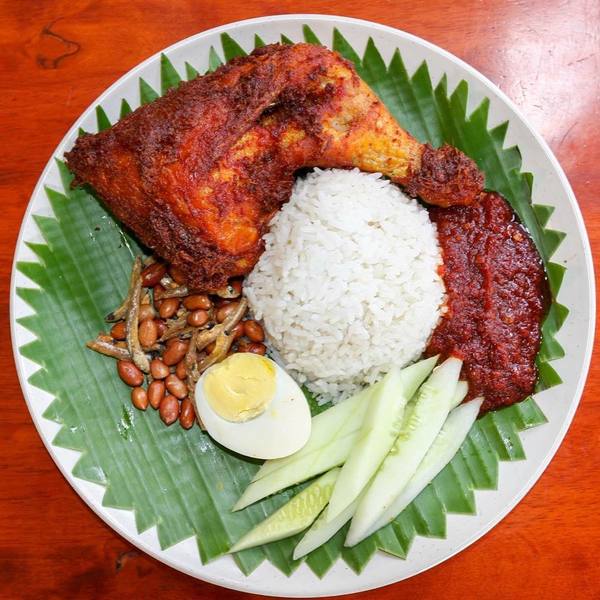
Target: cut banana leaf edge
(180,481)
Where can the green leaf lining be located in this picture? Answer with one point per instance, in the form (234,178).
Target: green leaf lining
(125,109)
(214,61)
(146,466)
(102,121)
(231,49)
(169,77)
(147,94)
(309,36)
(190,72)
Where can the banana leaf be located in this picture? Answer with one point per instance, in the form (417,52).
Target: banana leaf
(180,481)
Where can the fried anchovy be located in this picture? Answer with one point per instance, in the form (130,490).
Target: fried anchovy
(220,335)
(131,323)
(236,316)
(120,313)
(191,369)
(227,292)
(180,291)
(191,363)
(174,328)
(222,346)
(210,335)
(108,348)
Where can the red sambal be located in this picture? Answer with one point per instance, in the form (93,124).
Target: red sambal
(496,299)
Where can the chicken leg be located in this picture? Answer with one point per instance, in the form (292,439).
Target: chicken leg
(199,173)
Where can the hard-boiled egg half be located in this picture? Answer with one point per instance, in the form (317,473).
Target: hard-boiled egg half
(250,405)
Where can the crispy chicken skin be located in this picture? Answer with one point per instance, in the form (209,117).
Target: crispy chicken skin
(199,173)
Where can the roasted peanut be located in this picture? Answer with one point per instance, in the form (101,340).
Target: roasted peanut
(146,312)
(118,331)
(147,333)
(169,410)
(187,416)
(139,398)
(253,347)
(254,331)
(161,327)
(197,318)
(156,392)
(181,371)
(158,369)
(176,387)
(210,348)
(129,373)
(175,352)
(219,302)
(197,301)
(168,307)
(225,311)
(238,331)
(257,348)
(153,273)
(242,346)
(177,275)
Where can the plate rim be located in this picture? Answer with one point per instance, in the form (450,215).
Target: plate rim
(243,583)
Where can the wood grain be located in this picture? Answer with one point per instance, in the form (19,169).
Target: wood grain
(57,56)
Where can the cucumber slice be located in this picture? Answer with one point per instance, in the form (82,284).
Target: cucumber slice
(462,388)
(293,517)
(379,430)
(421,426)
(326,429)
(297,472)
(442,451)
(323,530)
(333,434)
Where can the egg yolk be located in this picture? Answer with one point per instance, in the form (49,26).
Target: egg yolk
(241,387)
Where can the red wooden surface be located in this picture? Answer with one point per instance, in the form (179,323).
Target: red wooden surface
(57,56)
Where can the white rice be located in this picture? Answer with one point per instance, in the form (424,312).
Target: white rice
(348,284)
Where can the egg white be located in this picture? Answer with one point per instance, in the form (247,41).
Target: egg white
(282,429)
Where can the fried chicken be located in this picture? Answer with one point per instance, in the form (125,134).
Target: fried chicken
(198,174)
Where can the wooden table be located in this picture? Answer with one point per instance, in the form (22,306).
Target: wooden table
(58,55)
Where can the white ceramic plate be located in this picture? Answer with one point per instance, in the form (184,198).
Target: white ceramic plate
(558,404)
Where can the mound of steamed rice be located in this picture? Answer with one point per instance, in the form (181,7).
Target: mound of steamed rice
(348,284)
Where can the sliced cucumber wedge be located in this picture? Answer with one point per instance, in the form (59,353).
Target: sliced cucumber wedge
(379,430)
(462,388)
(322,530)
(293,517)
(327,428)
(422,423)
(333,435)
(297,472)
(442,451)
